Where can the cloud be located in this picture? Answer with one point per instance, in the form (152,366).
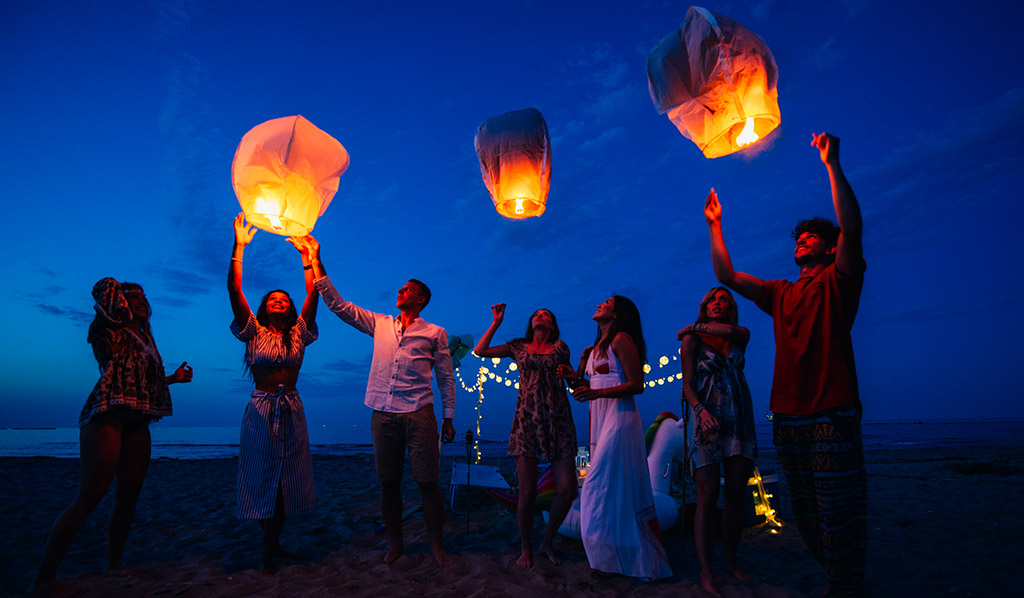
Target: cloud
(75,315)
(827,55)
(975,141)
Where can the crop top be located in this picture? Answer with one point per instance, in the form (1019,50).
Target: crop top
(265,348)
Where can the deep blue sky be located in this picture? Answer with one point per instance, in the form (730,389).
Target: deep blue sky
(120,121)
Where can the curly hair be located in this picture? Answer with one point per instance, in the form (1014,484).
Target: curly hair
(822,227)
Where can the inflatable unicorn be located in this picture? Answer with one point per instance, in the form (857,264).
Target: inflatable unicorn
(666,441)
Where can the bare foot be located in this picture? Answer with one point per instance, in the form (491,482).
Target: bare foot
(280,552)
(442,557)
(118,569)
(393,555)
(708,583)
(52,587)
(739,574)
(553,556)
(525,559)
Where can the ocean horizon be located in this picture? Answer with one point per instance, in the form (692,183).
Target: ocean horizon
(221,442)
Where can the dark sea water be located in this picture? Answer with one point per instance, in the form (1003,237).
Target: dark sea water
(222,442)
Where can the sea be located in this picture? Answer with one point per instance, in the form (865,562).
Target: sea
(222,442)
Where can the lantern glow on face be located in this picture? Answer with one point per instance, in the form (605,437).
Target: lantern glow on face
(716,81)
(285,173)
(515,162)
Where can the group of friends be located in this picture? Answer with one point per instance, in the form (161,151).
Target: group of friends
(814,399)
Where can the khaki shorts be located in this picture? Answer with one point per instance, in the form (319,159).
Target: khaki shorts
(394,432)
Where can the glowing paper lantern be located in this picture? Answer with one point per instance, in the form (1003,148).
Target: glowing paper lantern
(515,161)
(717,80)
(285,173)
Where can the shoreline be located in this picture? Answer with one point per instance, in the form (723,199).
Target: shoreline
(939,524)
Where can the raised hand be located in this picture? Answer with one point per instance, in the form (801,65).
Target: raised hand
(498,310)
(712,209)
(244,232)
(183,374)
(828,147)
(302,244)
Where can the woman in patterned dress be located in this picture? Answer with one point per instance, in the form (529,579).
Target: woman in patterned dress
(114,423)
(715,387)
(275,467)
(542,427)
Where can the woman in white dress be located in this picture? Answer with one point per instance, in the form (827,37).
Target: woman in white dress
(618,523)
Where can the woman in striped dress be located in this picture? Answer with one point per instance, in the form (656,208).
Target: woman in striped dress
(275,469)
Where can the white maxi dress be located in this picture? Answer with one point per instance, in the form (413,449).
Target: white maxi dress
(618,522)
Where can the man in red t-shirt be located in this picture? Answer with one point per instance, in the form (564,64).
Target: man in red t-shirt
(815,400)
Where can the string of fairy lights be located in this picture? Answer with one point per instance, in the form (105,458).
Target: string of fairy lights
(510,378)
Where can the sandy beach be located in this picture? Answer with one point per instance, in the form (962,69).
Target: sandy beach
(942,522)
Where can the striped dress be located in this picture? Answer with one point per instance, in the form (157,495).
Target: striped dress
(273,448)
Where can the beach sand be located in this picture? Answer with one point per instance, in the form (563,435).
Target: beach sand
(942,522)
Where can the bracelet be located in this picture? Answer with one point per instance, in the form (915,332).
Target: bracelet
(309,267)
(236,259)
(697,409)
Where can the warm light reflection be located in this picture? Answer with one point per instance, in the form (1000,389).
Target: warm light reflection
(747,135)
(270,208)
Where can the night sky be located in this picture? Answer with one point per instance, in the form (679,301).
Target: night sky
(120,121)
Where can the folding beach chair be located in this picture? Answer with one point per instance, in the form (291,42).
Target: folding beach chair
(474,476)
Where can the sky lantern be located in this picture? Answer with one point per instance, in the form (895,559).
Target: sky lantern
(716,79)
(285,173)
(515,161)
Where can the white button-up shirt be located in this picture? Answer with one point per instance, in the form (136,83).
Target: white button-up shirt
(400,374)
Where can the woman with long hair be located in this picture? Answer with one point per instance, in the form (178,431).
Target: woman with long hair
(617,519)
(114,423)
(723,435)
(275,467)
(542,427)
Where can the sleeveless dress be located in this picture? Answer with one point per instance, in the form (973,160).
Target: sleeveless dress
(543,426)
(723,391)
(618,522)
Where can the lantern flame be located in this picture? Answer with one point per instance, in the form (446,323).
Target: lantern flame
(747,135)
(270,208)
(519,206)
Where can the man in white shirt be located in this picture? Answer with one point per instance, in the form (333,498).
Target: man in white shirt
(406,352)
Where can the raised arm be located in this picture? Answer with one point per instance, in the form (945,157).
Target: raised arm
(305,247)
(849,249)
(361,319)
(244,233)
(741,282)
(484,348)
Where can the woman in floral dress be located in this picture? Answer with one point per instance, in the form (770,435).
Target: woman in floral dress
(543,426)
